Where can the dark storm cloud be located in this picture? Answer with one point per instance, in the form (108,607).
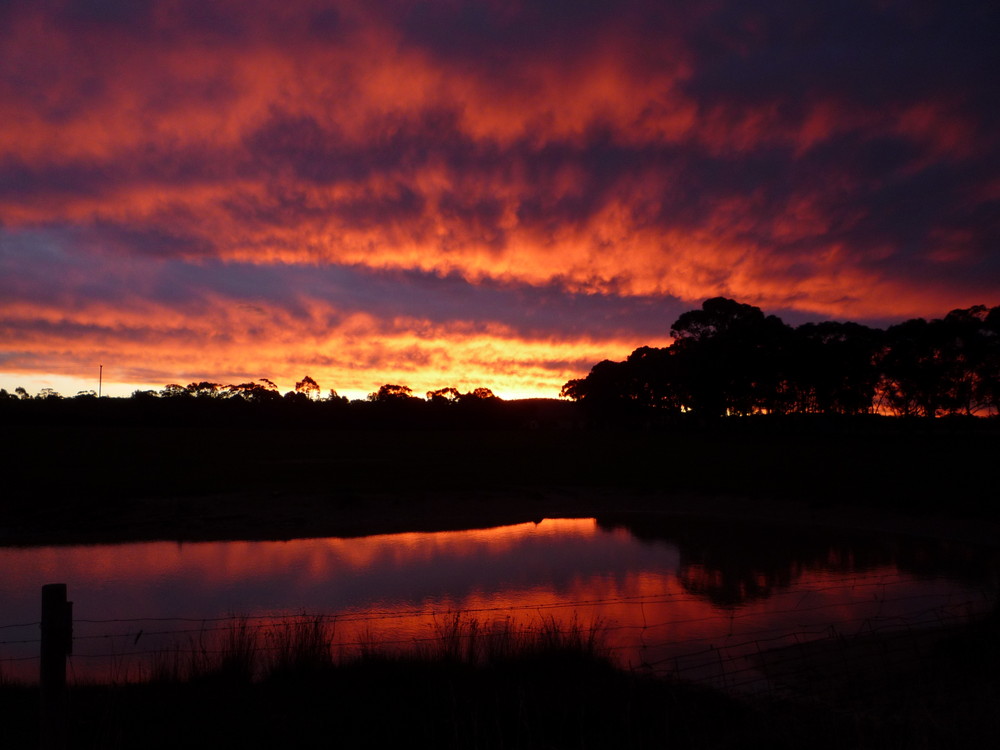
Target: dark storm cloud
(859,52)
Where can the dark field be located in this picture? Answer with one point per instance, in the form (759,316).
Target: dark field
(82,484)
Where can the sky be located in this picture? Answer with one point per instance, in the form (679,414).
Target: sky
(466,194)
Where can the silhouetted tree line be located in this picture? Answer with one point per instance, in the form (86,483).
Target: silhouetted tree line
(264,391)
(261,403)
(729,358)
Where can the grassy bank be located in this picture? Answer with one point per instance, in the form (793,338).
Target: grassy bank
(473,685)
(500,686)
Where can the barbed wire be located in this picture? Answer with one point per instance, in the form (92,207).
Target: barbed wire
(665,597)
(733,656)
(20,625)
(18,643)
(847,582)
(278,620)
(761,635)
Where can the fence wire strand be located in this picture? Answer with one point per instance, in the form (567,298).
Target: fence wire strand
(732,658)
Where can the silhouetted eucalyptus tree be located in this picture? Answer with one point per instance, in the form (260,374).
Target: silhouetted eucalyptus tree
(732,359)
(308,387)
(987,388)
(260,391)
(653,379)
(969,351)
(390,393)
(920,368)
(447,395)
(606,388)
(478,394)
(204,389)
(834,367)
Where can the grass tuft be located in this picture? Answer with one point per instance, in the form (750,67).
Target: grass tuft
(304,647)
(300,647)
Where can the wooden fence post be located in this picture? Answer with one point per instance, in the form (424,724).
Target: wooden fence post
(57,644)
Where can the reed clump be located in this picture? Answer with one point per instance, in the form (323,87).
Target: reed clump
(467,640)
(307,646)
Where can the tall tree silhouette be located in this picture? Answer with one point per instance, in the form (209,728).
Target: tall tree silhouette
(915,368)
(308,387)
(834,367)
(733,359)
(391,393)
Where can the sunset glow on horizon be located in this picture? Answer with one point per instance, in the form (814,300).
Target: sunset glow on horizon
(495,194)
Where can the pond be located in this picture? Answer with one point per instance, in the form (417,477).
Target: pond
(671,595)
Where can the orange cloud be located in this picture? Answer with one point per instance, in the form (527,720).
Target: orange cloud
(146,342)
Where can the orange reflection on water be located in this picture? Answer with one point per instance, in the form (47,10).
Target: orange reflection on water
(654,609)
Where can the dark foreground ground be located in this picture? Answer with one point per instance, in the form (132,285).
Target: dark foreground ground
(942,695)
(84,484)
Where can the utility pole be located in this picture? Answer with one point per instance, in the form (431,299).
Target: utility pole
(100,380)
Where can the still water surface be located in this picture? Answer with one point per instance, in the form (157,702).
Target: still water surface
(674,595)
